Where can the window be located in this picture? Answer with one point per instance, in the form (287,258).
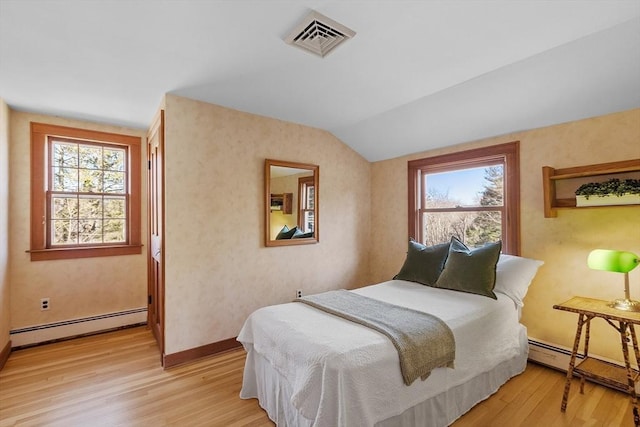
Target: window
(473,195)
(85,193)
(306,196)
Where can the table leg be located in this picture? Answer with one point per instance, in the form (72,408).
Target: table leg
(634,340)
(586,351)
(636,353)
(625,351)
(572,362)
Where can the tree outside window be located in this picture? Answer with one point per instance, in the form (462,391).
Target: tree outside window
(88,202)
(446,215)
(472,195)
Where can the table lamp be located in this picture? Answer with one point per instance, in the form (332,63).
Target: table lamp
(619,262)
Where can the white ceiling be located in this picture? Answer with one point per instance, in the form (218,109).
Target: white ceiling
(417,75)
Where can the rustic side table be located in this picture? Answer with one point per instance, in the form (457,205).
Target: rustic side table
(620,378)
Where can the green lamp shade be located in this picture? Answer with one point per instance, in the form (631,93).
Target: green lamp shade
(616,261)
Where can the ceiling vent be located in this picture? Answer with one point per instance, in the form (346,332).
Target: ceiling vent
(318,34)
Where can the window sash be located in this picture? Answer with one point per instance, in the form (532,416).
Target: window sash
(123,194)
(427,238)
(52,219)
(306,200)
(427,172)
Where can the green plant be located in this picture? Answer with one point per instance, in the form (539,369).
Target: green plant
(614,186)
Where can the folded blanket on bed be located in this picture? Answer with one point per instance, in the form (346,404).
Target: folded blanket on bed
(423,341)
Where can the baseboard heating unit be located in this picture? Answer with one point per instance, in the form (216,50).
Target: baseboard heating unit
(70,328)
(558,357)
(550,355)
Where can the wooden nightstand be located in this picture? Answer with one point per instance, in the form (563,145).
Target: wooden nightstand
(620,378)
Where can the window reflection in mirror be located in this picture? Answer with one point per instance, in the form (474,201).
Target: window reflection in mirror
(291,203)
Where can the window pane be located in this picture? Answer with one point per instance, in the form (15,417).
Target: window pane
(311,197)
(90,231)
(308,221)
(64,232)
(114,159)
(64,207)
(114,182)
(465,187)
(472,228)
(91,181)
(65,155)
(65,179)
(114,230)
(90,208)
(114,208)
(90,157)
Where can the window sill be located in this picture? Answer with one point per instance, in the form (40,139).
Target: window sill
(84,252)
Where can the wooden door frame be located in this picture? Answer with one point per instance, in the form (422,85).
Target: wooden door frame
(156,131)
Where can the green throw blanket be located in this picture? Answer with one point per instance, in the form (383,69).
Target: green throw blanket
(423,341)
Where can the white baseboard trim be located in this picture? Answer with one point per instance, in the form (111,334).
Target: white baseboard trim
(74,327)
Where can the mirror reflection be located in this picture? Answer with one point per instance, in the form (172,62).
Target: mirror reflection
(291,206)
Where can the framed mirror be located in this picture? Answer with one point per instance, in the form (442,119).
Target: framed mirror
(291,203)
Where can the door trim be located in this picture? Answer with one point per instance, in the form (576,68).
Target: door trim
(156,247)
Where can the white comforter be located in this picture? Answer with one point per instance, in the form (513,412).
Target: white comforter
(342,373)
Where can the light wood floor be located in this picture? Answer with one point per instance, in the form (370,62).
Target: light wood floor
(114,379)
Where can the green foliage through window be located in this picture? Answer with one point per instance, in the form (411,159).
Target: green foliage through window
(450,216)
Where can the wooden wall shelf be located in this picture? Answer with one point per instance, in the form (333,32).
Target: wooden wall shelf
(282,202)
(551,178)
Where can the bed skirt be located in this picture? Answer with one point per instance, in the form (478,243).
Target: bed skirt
(273,392)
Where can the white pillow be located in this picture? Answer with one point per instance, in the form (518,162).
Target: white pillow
(514,275)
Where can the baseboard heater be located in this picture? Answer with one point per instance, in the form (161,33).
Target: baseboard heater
(550,355)
(557,357)
(71,328)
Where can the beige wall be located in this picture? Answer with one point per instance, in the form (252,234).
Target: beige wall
(5,319)
(563,243)
(77,288)
(217,268)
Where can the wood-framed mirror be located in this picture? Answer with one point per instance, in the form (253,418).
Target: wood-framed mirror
(291,203)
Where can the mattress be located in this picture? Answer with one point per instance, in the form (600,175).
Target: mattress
(307,367)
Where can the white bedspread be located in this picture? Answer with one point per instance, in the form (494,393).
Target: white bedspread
(341,373)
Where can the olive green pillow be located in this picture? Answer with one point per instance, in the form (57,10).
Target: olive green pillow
(470,270)
(423,263)
(303,235)
(287,233)
(280,234)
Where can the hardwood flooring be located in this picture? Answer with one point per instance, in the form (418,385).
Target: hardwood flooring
(115,379)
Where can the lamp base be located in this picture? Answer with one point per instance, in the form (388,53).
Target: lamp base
(626,305)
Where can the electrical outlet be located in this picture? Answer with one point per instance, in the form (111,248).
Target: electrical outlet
(45,304)
(299,293)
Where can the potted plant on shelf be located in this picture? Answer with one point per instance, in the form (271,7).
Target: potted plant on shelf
(613,192)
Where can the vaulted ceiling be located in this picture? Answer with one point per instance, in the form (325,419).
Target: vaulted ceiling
(417,75)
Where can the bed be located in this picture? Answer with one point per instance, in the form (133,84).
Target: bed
(310,368)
